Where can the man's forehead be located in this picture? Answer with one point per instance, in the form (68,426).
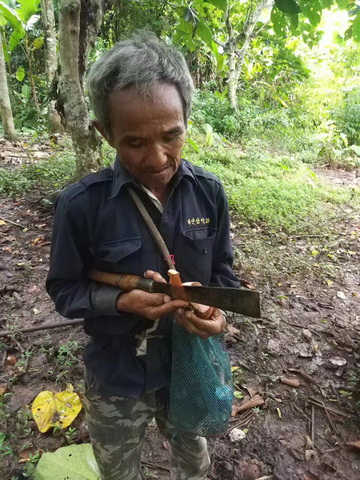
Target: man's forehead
(161,111)
(146,94)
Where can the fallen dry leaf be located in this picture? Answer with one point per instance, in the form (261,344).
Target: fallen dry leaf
(291,382)
(3,388)
(309,454)
(232,330)
(353,444)
(11,360)
(246,284)
(311,476)
(27,454)
(255,401)
(33,289)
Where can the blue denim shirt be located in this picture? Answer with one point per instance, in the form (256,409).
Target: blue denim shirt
(97,225)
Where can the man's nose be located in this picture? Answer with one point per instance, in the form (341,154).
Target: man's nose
(156,157)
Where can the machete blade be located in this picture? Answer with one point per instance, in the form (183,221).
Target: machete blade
(237,300)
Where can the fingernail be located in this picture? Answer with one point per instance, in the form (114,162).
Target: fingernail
(167,299)
(188,314)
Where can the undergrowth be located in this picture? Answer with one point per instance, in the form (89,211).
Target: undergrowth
(279,191)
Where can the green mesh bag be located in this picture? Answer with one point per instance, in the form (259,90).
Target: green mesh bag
(201,390)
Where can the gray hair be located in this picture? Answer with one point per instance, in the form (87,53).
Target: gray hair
(139,62)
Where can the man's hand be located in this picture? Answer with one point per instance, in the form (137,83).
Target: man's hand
(213,325)
(148,305)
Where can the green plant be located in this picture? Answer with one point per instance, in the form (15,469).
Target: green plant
(71,435)
(5,448)
(347,115)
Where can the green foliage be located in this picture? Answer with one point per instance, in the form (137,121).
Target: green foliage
(44,176)
(347,115)
(273,189)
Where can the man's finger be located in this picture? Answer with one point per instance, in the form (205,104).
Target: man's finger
(192,329)
(155,276)
(168,307)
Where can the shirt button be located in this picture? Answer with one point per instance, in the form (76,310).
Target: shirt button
(205,250)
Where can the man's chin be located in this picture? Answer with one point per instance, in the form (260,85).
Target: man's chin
(158,180)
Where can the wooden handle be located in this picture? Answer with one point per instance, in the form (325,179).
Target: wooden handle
(123,281)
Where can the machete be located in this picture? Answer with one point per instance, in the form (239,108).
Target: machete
(237,300)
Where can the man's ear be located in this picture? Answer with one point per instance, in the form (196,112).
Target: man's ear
(100,129)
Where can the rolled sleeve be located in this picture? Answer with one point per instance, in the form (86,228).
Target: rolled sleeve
(103,299)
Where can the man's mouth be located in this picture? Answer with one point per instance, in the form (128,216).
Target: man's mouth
(157,172)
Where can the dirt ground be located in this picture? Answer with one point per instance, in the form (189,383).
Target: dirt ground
(309,335)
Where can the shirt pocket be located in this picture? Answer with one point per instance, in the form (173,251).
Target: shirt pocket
(198,245)
(120,256)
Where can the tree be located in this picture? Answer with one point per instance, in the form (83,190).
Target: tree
(79,22)
(5,105)
(228,27)
(51,60)
(237,44)
(22,18)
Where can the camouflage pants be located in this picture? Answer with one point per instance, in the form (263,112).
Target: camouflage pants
(117,428)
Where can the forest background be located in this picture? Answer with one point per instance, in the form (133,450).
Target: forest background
(277,90)
(276,116)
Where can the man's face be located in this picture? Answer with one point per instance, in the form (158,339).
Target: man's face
(148,133)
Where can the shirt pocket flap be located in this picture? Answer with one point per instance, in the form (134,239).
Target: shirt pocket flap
(116,250)
(200,235)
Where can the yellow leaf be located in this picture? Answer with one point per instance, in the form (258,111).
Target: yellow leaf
(2,222)
(234,369)
(51,409)
(278,411)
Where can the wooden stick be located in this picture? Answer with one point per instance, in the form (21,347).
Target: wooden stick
(45,326)
(332,410)
(12,223)
(312,423)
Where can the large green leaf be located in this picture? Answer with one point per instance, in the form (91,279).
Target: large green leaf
(312,10)
(27,8)
(288,6)
(20,74)
(75,462)
(356,28)
(356,149)
(204,32)
(11,16)
(25,91)
(221,4)
(278,21)
(15,38)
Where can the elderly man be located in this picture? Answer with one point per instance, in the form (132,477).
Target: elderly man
(140,92)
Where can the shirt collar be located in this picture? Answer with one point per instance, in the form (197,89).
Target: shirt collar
(122,176)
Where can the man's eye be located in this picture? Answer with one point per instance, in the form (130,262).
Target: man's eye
(172,138)
(134,143)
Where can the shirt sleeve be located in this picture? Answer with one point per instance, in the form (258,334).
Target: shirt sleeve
(73,294)
(222,272)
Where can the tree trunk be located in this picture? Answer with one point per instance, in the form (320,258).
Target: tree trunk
(236,55)
(47,14)
(84,138)
(5,106)
(28,53)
